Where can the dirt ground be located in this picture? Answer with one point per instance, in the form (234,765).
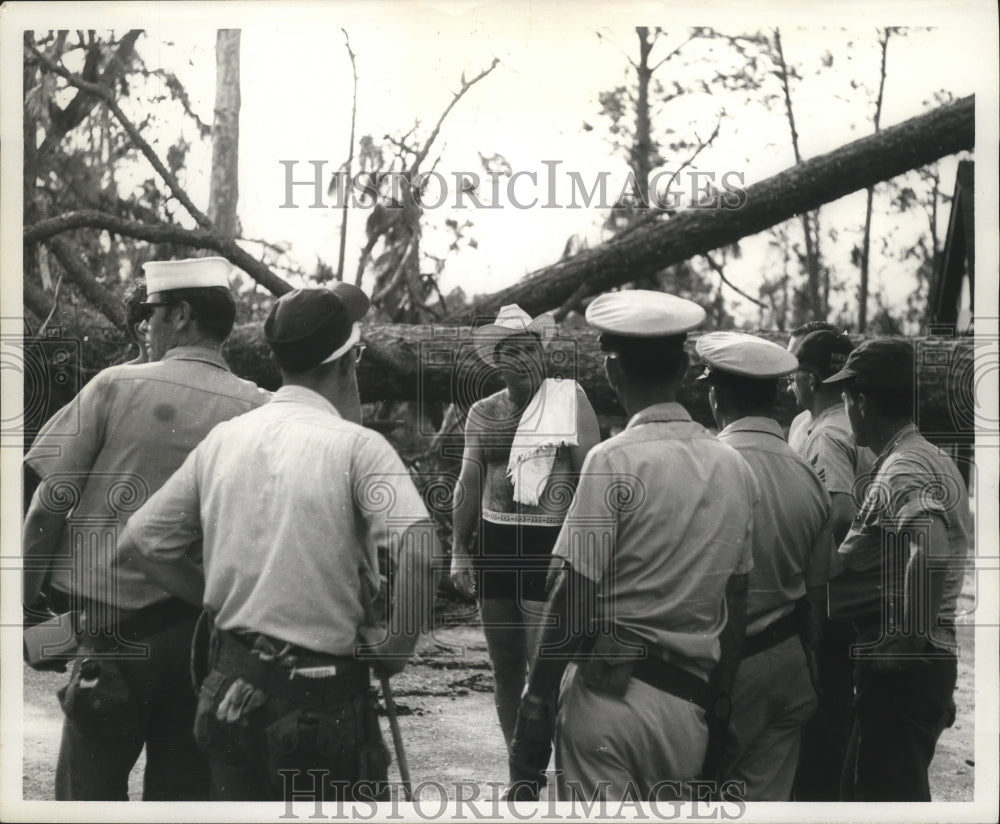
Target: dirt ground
(449,722)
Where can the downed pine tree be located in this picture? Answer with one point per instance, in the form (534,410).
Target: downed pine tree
(436,364)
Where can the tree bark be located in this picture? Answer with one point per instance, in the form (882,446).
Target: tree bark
(803,187)
(42,230)
(436,364)
(224,190)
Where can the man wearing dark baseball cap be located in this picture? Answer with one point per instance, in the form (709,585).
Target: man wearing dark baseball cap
(292,503)
(916,508)
(828,446)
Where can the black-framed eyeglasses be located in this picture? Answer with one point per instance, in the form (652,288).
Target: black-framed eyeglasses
(359,351)
(147,308)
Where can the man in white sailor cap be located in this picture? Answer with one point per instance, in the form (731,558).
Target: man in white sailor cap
(99,458)
(656,538)
(290,503)
(773,694)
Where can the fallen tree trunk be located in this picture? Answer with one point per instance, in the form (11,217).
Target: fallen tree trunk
(436,364)
(801,188)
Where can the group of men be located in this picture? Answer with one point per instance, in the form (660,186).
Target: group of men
(173,494)
(707,593)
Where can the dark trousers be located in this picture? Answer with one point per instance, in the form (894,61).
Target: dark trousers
(898,719)
(279,748)
(154,707)
(825,735)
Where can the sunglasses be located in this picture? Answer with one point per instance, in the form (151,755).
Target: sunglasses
(146,309)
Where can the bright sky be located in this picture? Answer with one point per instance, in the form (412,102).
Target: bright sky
(296,100)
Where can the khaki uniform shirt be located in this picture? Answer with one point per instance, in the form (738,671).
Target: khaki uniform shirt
(792,544)
(913,480)
(662,517)
(830,449)
(798,429)
(114,445)
(291,503)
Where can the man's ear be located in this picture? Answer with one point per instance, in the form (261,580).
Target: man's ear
(183,314)
(861,403)
(612,371)
(682,367)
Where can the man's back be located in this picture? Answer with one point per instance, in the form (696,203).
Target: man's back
(291,502)
(677,506)
(792,547)
(121,438)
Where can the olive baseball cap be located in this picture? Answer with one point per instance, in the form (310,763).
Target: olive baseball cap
(824,351)
(886,363)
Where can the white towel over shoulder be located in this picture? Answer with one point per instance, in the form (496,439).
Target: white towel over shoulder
(548,422)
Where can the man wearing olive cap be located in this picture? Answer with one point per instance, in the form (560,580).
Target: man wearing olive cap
(829,446)
(100,458)
(656,540)
(773,695)
(291,503)
(904,558)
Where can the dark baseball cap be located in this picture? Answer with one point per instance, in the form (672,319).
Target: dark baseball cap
(306,326)
(825,351)
(886,363)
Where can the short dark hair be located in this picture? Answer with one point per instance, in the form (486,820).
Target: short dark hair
(651,359)
(893,401)
(132,299)
(814,326)
(748,396)
(213,308)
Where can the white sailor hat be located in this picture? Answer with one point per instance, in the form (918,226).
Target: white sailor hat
(191,273)
(642,313)
(747,356)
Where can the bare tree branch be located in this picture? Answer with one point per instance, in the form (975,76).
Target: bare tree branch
(350,157)
(55,305)
(673,53)
(100,297)
(466,85)
(43,230)
(80,106)
(106,95)
(718,270)
(620,49)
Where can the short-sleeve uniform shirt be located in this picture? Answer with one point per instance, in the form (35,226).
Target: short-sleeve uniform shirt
(290,503)
(792,545)
(830,449)
(797,431)
(103,454)
(913,480)
(662,517)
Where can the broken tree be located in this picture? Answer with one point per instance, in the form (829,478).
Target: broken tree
(406,362)
(800,188)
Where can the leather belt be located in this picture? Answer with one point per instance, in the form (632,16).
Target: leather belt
(278,678)
(135,625)
(784,628)
(673,679)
